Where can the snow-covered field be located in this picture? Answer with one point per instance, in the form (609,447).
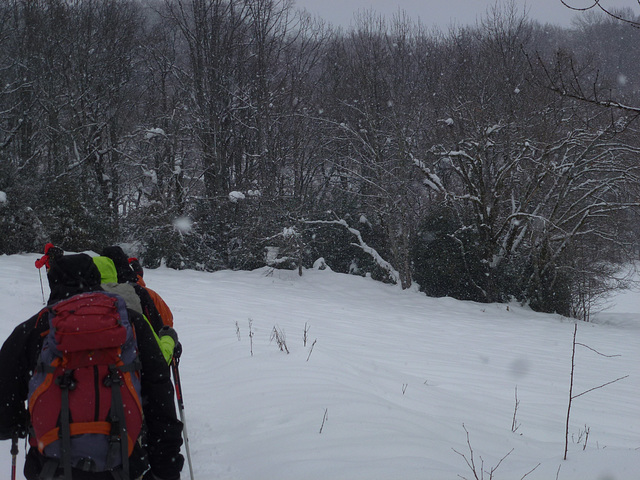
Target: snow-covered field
(388,380)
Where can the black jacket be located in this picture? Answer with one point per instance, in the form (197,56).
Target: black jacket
(19,355)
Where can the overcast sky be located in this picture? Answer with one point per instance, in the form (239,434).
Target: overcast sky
(444,13)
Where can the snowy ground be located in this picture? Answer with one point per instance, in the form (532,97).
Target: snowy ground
(388,380)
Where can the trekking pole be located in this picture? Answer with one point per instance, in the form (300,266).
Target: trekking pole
(14,455)
(41,286)
(178,387)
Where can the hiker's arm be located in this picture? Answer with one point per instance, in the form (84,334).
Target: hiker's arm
(152,315)
(164,428)
(14,379)
(167,344)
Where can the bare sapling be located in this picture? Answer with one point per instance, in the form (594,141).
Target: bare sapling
(278,335)
(514,423)
(251,335)
(311,350)
(324,419)
(479,471)
(582,437)
(571,395)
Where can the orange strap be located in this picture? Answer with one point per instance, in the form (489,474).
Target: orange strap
(82,428)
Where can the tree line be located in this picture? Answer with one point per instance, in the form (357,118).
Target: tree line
(215,134)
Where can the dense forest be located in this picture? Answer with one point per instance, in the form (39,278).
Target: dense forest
(489,162)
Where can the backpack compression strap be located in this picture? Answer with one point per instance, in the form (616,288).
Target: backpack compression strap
(119,424)
(66,384)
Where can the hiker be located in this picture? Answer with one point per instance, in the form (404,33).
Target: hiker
(134,296)
(121,261)
(50,252)
(161,306)
(126,275)
(75,285)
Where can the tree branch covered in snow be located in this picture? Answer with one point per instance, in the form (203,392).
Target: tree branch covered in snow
(381,262)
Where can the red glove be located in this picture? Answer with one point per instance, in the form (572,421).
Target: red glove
(44,260)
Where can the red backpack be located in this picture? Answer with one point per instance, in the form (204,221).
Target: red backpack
(84,397)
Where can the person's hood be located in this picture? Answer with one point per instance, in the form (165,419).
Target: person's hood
(108,272)
(70,275)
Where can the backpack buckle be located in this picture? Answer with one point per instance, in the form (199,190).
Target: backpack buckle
(113,378)
(66,381)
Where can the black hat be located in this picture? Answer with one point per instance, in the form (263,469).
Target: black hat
(72,274)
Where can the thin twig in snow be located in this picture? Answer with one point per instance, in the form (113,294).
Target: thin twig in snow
(310,351)
(324,419)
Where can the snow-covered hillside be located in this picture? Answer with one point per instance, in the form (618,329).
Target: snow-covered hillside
(387,382)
